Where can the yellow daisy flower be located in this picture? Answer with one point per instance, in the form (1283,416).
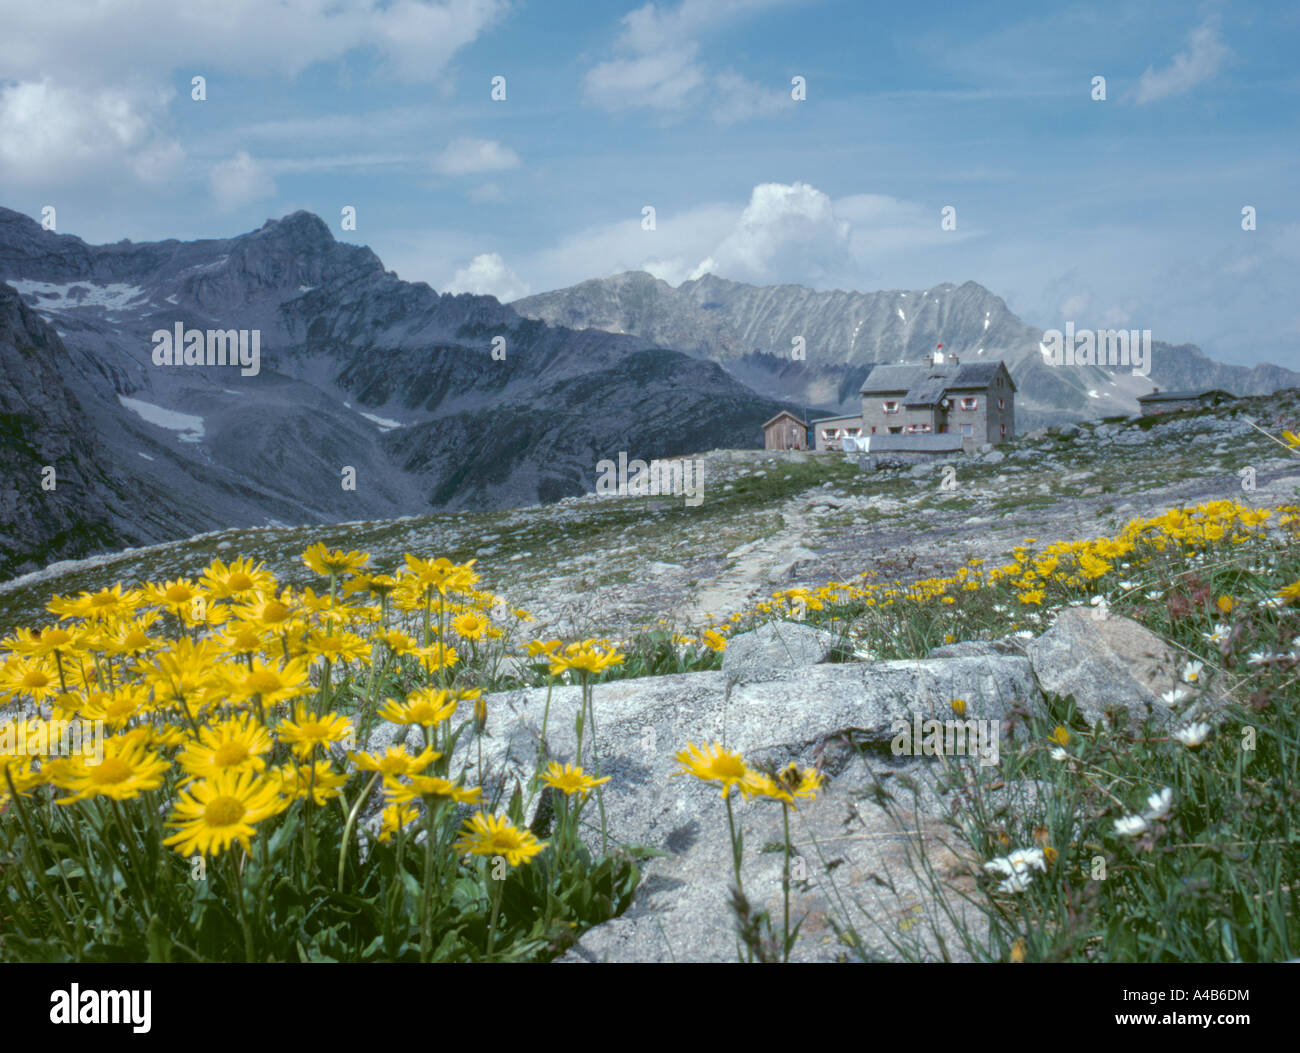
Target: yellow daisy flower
(126,770)
(306,731)
(215,813)
(570,780)
(491,835)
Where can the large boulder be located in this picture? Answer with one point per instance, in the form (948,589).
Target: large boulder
(841,717)
(1109,663)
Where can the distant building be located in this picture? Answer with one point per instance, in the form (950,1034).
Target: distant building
(975,401)
(828,431)
(1159,402)
(785,431)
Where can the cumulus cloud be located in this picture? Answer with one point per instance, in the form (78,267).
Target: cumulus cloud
(86,91)
(657,66)
(1204,55)
(787,233)
(48,134)
(240,180)
(488,275)
(472,156)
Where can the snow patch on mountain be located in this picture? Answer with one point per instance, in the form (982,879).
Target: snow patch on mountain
(190,427)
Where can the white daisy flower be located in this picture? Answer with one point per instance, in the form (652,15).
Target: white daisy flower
(1175,696)
(1192,735)
(1018,868)
(1058,754)
(1154,594)
(1220,633)
(1131,826)
(1192,671)
(1126,585)
(1159,803)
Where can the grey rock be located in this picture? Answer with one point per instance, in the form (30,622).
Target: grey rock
(976,648)
(806,717)
(771,649)
(1108,663)
(788,562)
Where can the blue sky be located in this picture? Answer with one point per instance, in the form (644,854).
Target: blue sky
(1123,212)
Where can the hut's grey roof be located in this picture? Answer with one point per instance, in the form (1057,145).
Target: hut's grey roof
(925,385)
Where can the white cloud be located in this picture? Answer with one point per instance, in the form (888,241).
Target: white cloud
(737,99)
(785,233)
(488,275)
(471,156)
(240,180)
(657,66)
(1074,306)
(86,91)
(50,133)
(112,40)
(791,233)
(1201,60)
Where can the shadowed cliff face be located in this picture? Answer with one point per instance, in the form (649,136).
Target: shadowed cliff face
(54,498)
(361,376)
(752,330)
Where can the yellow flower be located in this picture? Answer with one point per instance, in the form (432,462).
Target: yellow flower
(958,706)
(427,707)
(490,835)
(337,646)
(717,764)
(570,780)
(714,641)
(215,813)
(28,677)
(176,596)
(470,625)
(320,782)
(396,817)
(271,684)
(585,657)
(232,745)
(1291,438)
(1060,736)
(441,573)
(1019,949)
(126,770)
(327,561)
(788,784)
(242,578)
(1224,604)
(305,731)
(395,761)
(430,786)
